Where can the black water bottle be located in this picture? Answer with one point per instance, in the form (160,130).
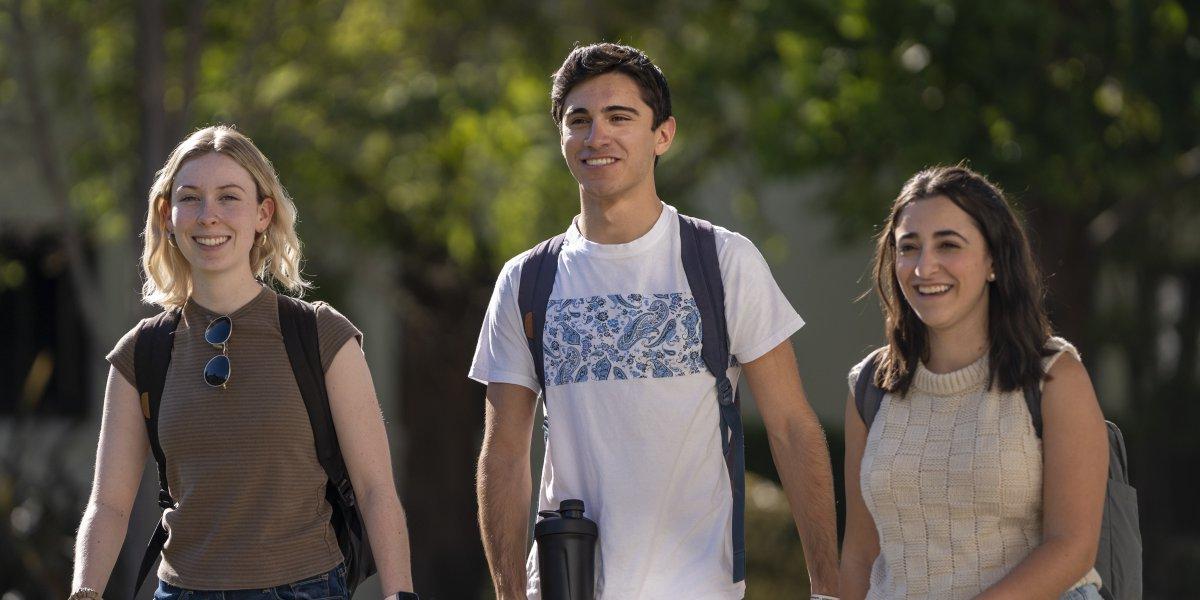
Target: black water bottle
(566,552)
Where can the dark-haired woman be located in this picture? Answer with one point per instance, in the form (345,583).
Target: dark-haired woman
(950,491)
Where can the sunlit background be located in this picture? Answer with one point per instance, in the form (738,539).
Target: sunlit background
(415,137)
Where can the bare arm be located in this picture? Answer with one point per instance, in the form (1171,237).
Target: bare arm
(802,457)
(120,458)
(363,440)
(503,485)
(861,544)
(1074,474)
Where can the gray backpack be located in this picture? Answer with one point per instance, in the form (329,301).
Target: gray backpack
(1119,557)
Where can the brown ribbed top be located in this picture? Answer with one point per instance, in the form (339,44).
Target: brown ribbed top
(241,462)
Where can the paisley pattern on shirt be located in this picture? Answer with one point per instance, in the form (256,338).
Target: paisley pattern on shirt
(614,337)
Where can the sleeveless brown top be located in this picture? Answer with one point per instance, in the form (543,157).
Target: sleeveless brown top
(241,461)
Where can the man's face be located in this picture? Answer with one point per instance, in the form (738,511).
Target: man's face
(607,138)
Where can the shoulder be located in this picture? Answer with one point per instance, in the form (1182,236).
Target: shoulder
(1066,377)
(732,243)
(1061,356)
(512,266)
(857,369)
(327,314)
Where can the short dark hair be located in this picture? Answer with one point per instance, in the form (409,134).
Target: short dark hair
(1017,324)
(585,62)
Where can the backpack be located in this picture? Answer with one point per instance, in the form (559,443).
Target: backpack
(298,324)
(698,249)
(1119,555)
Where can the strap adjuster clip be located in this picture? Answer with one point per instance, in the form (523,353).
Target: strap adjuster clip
(346,492)
(724,391)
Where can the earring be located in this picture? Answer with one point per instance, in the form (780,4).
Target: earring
(171,239)
(991,276)
(262,239)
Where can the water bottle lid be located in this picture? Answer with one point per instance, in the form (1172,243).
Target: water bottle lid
(567,519)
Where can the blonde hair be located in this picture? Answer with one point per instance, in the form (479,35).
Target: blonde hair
(275,257)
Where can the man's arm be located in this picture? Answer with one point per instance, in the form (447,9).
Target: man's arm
(503,485)
(802,458)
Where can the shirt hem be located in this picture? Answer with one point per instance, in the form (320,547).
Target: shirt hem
(505,377)
(770,342)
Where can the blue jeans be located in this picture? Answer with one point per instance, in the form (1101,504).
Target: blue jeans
(326,586)
(1087,592)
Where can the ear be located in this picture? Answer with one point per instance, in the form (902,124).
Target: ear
(664,136)
(162,204)
(266,210)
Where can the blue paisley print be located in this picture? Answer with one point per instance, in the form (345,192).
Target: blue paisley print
(622,337)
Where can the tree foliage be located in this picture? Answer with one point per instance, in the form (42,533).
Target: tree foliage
(422,128)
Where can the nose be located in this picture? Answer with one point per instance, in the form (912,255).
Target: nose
(597,134)
(208,212)
(927,264)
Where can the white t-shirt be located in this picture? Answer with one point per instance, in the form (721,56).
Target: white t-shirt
(634,422)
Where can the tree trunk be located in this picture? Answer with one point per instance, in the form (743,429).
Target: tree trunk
(443,418)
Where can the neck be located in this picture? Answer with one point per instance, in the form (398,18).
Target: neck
(224,293)
(618,221)
(953,349)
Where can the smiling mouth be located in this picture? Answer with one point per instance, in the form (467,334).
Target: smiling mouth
(599,162)
(211,241)
(933,290)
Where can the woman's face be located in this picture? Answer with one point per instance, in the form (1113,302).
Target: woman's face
(215,214)
(943,265)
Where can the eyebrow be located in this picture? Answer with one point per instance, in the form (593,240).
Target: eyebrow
(937,234)
(228,185)
(607,109)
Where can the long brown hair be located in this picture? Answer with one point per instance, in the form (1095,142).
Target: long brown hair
(1017,324)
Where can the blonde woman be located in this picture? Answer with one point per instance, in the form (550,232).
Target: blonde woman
(247,515)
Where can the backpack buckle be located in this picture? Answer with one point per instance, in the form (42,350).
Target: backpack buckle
(724,391)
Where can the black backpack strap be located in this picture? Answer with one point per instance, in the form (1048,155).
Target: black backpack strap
(537,282)
(298,324)
(151,358)
(868,396)
(1033,401)
(698,249)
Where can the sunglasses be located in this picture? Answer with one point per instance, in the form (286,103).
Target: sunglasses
(218,369)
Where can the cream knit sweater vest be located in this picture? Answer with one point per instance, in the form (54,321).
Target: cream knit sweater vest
(952,475)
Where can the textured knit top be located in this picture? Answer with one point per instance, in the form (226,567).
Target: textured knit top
(952,476)
(241,461)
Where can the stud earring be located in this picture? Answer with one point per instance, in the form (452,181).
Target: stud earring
(991,276)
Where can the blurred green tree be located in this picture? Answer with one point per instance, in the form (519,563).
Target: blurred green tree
(421,130)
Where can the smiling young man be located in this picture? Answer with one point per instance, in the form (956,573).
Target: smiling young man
(639,426)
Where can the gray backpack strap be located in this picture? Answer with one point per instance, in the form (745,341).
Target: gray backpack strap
(1119,554)
(537,282)
(868,397)
(698,249)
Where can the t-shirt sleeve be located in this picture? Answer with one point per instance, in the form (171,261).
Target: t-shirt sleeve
(121,356)
(333,331)
(502,353)
(758,315)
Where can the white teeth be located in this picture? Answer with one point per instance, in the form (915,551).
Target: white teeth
(932,289)
(596,162)
(211,241)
